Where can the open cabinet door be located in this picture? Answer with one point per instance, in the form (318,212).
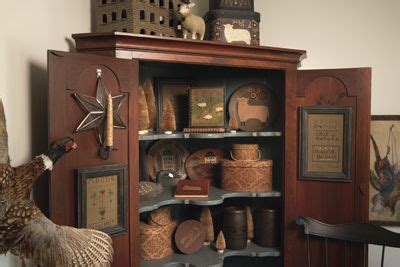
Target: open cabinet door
(71,74)
(320,189)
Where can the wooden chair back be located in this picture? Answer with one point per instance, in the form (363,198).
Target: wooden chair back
(363,233)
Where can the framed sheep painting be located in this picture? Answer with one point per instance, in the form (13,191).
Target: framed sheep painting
(207,107)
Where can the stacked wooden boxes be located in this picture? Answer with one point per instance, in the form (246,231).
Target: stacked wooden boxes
(233,21)
(154,17)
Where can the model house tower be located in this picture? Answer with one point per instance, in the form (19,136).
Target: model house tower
(154,17)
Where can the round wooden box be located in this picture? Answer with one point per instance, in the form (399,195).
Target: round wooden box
(245,152)
(156,242)
(246,176)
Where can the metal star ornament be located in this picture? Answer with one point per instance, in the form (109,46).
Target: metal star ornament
(97,110)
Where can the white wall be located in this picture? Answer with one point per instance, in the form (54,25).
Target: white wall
(28,29)
(336,34)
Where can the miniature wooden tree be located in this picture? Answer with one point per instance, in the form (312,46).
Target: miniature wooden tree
(220,245)
(143,111)
(250,224)
(207,221)
(233,122)
(151,103)
(168,117)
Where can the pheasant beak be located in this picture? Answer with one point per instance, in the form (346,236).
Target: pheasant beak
(70,145)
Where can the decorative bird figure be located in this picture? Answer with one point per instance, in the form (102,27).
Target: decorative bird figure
(26,232)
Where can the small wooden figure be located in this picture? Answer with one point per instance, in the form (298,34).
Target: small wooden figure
(151,103)
(207,221)
(250,225)
(144,121)
(192,24)
(220,245)
(168,123)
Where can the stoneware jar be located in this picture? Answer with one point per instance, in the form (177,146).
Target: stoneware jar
(235,227)
(250,152)
(266,228)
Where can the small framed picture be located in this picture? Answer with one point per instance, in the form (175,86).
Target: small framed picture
(325,143)
(384,192)
(207,107)
(102,198)
(177,92)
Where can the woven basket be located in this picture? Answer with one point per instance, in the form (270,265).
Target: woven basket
(246,176)
(156,241)
(249,152)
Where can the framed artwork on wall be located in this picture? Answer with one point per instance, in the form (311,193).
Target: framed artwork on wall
(384,187)
(325,143)
(102,198)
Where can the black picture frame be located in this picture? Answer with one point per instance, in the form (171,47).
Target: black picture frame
(120,171)
(182,117)
(344,148)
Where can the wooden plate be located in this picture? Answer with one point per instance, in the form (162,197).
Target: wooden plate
(204,164)
(254,106)
(166,156)
(190,236)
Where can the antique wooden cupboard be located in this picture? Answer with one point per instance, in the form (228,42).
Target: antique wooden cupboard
(127,59)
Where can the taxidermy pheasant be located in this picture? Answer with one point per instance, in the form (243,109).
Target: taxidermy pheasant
(26,232)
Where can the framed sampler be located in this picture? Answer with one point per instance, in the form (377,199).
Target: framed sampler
(325,143)
(102,198)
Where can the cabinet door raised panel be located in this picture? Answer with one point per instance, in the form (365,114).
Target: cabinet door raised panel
(327,200)
(77,73)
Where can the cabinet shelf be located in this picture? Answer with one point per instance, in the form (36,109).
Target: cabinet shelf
(180,135)
(216,196)
(207,256)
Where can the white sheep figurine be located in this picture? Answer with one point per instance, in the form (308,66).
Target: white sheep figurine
(191,23)
(232,35)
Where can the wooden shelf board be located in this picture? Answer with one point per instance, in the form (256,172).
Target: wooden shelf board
(208,256)
(180,135)
(216,196)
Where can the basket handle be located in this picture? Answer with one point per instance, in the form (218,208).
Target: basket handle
(259,156)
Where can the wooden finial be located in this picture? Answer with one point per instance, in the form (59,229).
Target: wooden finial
(220,245)
(207,221)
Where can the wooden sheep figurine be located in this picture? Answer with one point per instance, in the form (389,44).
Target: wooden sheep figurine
(191,23)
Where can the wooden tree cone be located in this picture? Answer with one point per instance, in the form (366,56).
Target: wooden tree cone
(151,103)
(233,123)
(144,121)
(220,245)
(207,221)
(168,122)
(250,224)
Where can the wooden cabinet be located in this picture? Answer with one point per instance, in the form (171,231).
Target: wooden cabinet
(128,59)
